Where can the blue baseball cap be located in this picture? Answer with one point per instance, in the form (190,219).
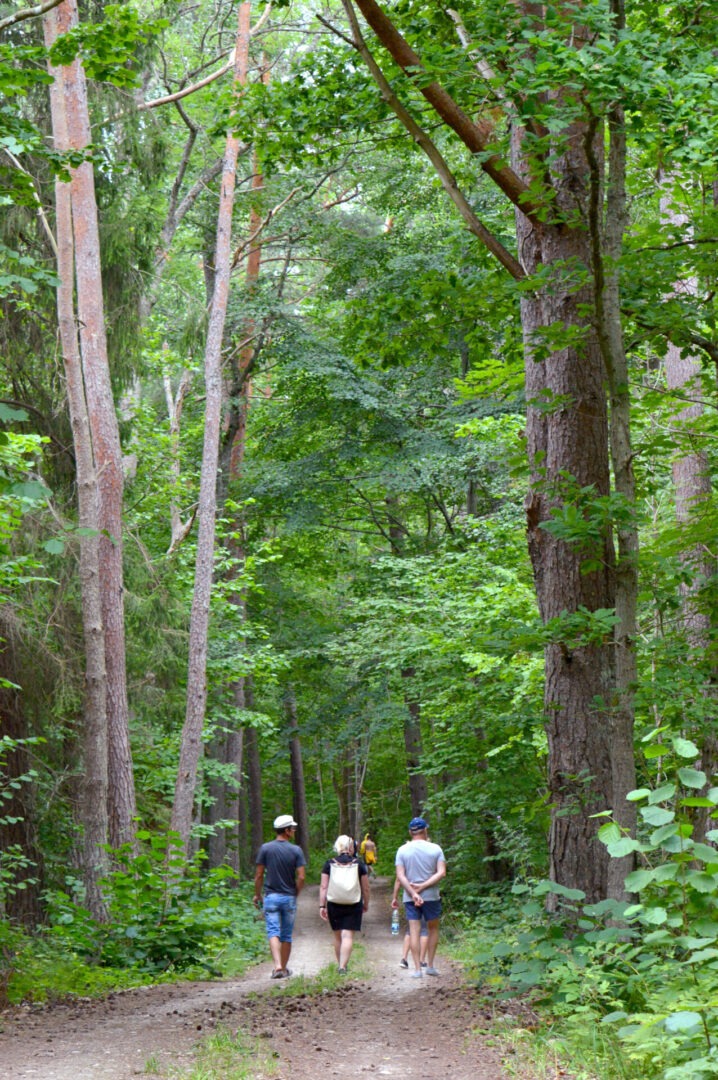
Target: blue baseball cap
(417,824)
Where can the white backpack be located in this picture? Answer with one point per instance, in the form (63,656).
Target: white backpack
(344,885)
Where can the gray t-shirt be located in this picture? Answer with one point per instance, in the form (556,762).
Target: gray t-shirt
(280,860)
(420,859)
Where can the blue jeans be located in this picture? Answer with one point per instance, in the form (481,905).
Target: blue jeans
(280,911)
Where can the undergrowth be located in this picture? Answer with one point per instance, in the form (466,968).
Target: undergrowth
(619,991)
(167,921)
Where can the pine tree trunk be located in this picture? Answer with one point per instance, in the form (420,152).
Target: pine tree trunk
(94,802)
(105,443)
(299,793)
(254,778)
(418,788)
(191,745)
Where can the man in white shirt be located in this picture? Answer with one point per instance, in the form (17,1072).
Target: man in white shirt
(420,866)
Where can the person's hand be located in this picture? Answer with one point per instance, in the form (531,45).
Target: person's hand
(366,907)
(323,914)
(257,901)
(394,903)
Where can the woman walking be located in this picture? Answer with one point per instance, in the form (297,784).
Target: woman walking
(344,897)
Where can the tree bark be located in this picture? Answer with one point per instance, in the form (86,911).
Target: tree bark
(418,788)
(94,802)
(191,746)
(254,784)
(105,443)
(299,792)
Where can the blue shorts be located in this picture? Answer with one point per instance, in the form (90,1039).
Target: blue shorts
(280,911)
(429,910)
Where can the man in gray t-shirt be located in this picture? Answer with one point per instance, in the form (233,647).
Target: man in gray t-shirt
(420,866)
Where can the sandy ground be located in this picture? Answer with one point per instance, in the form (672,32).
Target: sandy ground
(382,1024)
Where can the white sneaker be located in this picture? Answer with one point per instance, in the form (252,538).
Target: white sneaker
(417,974)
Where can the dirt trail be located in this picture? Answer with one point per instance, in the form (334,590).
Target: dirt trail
(386,1024)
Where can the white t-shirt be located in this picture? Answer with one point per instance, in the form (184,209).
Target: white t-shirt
(420,859)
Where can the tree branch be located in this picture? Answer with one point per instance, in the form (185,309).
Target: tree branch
(448,180)
(187,90)
(476,137)
(28,13)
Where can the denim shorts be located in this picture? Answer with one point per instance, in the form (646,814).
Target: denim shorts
(279,913)
(429,910)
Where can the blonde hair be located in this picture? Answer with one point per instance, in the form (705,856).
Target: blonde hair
(344,843)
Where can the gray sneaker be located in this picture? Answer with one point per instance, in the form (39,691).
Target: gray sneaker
(417,974)
(430,971)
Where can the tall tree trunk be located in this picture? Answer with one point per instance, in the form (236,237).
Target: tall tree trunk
(94,802)
(191,746)
(568,449)
(569,440)
(105,442)
(418,788)
(299,793)
(254,785)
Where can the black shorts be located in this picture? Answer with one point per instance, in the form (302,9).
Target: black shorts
(345,916)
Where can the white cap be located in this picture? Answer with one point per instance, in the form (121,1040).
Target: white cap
(284,821)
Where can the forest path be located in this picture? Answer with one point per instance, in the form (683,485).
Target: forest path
(383,1024)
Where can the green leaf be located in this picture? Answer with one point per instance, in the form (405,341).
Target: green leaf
(622,847)
(638,880)
(692,778)
(683,1021)
(662,793)
(703,954)
(685,748)
(638,793)
(657,815)
(705,853)
(54,547)
(702,882)
(609,833)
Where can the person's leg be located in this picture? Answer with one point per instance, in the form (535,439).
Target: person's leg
(347,943)
(423,944)
(273,923)
(431,942)
(404,962)
(287,915)
(276,951)
(415,943)
(338,946)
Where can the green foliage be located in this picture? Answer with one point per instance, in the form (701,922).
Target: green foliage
(646,970)
(164,914)
(106,48)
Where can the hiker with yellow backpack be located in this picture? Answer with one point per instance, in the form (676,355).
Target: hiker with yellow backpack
(344,897)
(367,851)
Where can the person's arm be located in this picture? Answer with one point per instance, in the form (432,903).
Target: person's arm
(395,894)
(323,886)
(435,878)
(299,878)
(411,889)
(258,882)
(364,882)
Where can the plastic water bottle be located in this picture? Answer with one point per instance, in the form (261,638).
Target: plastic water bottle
(395,921)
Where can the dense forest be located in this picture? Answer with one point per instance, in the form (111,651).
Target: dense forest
(357,444)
